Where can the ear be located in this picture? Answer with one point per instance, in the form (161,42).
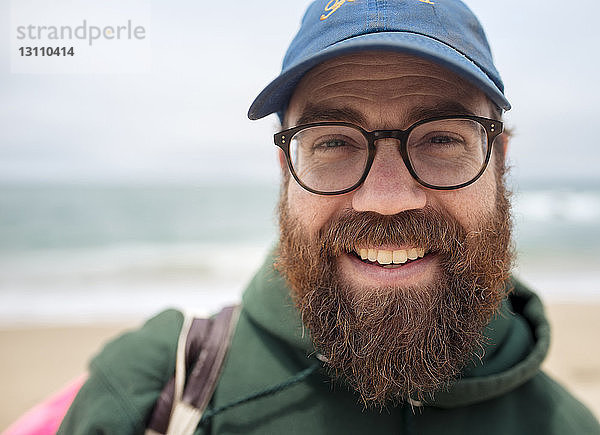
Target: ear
(282,162)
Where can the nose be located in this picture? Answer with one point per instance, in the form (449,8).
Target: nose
(389,188)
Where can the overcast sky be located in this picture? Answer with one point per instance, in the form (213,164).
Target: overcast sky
(184,118)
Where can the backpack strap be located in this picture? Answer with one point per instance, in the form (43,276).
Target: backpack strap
(202,346)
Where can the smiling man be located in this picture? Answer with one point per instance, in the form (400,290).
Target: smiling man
(388,305)
(396,271)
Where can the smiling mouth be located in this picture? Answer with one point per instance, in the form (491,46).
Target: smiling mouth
(389,259)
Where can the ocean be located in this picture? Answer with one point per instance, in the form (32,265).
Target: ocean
(86,253)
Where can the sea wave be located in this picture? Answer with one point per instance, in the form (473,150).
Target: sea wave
(558,205)
(75,254)
(125,281)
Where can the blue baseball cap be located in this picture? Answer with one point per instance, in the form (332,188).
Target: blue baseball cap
(445,32)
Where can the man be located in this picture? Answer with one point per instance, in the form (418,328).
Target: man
(388,305)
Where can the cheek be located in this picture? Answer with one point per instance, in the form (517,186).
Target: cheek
(313,211)
(473,204)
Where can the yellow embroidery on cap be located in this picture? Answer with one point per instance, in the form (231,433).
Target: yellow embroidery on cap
(333,6)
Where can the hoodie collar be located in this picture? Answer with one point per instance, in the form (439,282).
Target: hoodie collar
(517,338)
(268,302)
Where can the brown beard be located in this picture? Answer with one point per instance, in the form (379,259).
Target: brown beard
(390,344)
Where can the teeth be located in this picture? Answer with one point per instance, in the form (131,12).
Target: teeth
(400,256)
(385,257)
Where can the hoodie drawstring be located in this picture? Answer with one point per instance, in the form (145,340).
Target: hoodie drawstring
(299,377)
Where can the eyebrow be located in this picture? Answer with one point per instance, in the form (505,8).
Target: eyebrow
(445,108)
(313,113)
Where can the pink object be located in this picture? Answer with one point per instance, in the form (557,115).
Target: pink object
(46,416)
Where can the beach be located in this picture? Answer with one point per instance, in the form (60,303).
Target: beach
(79,264)
(36,361)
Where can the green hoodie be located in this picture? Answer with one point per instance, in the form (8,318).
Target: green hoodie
(507,394)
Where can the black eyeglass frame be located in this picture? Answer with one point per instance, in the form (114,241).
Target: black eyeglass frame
(493,129)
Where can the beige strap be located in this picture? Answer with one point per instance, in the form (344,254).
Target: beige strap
(201,350)
(184,419)
(180,361)
(180,371)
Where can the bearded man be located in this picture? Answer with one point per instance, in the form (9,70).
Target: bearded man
(388,305)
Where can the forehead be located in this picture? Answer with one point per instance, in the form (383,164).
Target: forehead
(382,89)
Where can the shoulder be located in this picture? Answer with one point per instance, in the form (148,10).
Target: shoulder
(540,405)
(126,378)
(542,400)
(556,408)
(146,346)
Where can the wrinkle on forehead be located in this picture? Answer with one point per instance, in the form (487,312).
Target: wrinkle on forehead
(390,88)
(386,63)
(408,82)
(378,83)
(381,66)
(343,99)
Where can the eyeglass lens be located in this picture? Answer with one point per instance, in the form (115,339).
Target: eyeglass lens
(442,153)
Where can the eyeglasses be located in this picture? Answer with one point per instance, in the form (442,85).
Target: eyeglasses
(443,153)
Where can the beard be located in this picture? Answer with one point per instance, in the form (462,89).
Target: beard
(392,344)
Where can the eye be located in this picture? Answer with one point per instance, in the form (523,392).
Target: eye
(439,140)
(334,143)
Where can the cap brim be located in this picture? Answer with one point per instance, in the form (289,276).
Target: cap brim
(276,95)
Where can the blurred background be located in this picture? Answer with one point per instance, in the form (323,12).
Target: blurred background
(123,193)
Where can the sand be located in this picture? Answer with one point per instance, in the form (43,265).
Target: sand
(37,361)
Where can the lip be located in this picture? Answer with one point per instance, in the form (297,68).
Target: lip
(390,247)
(417,272)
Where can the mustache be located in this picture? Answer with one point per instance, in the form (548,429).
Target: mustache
(428,228)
